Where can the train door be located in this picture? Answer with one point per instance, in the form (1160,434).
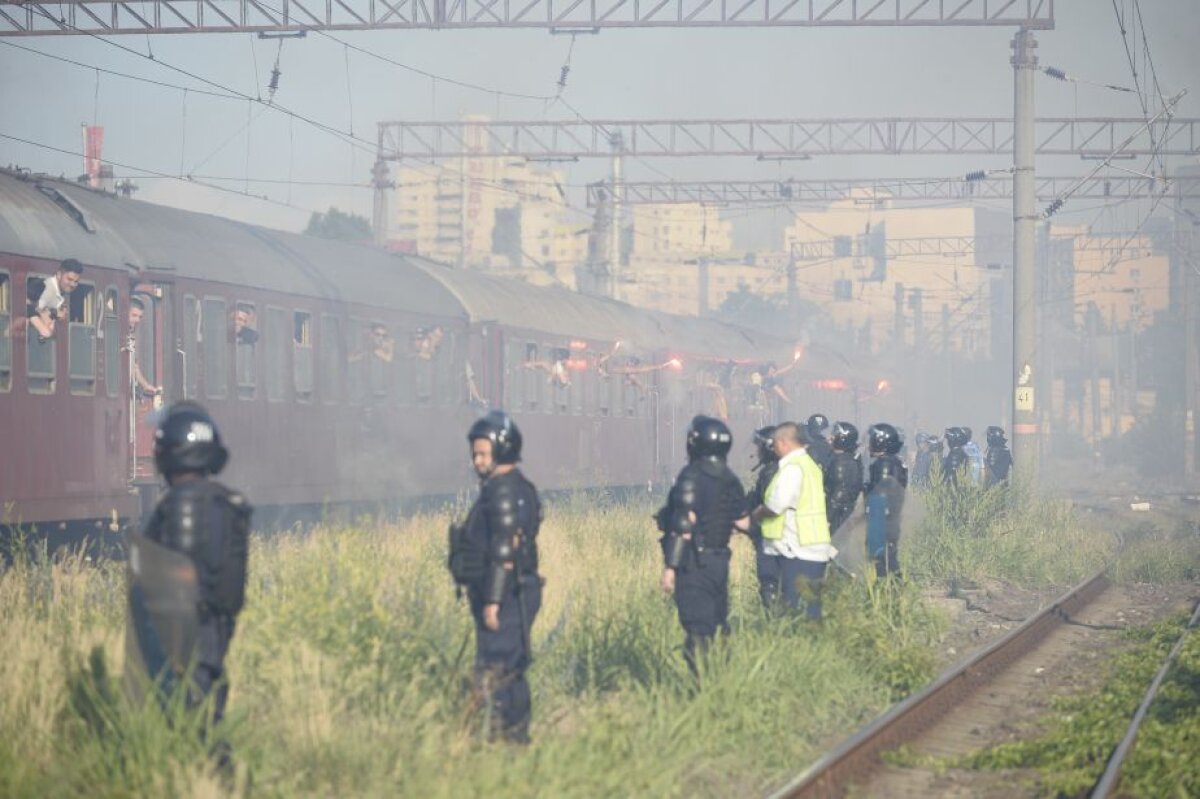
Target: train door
(147,360)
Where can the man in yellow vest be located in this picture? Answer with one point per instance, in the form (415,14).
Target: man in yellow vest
(795,530)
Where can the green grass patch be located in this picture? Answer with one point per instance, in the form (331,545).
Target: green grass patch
(1082,731)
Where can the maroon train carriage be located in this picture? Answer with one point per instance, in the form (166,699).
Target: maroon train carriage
(341,375)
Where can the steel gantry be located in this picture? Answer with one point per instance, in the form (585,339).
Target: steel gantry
(825,191)
(1110,244)
(1096,137)
(108,17)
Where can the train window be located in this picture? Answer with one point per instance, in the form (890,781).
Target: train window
(602,382)
(356,365)
(5,332)
(331,358)
(216,348)
(512,375)
(381,360)
(245,348)
(81,339)
(404,365)
(449,379)
(302,352)
(41,354)
(581,380)
(190,339)
(632,395)
(276,345)
(533,378)
(111,333)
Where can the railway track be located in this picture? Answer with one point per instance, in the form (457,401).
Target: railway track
(942,717)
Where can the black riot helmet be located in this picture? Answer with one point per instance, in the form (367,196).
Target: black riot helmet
(957,436)
(187,440)
(844,437)
(708,438)
(498,428)
(816,425)
(996,437)
(764,443)
(884,439)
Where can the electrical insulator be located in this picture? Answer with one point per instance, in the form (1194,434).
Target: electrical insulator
(1053,207)
(1055,73)
(978,174)
(274,84)
(562,76)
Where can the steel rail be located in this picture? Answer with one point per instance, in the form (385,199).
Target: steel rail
(1112,772)
(860,754)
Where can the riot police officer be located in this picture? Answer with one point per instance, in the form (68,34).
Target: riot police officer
(844,476)
(704,505)
(998,459)
(187,571)
(885,498)
(765,467)
(818,448)
(494,556)
(929,450)
(956,460)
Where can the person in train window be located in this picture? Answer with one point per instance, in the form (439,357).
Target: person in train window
(187,572)
(474,397)
(137,310)
(705,505)
(51,304)
(556,370)
(795,529)
(244,325)
(494,558)
(427,341)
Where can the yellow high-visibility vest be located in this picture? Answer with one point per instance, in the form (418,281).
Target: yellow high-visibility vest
(812,526)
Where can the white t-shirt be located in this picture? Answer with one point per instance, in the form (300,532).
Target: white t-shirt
(782,498)
(52,298)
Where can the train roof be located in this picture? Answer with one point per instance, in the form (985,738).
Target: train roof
(55,219)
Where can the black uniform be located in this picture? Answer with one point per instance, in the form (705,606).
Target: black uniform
(954,464)
(497,562)
(187,572)
(210,525)
(843,484)
(819,450)
(885,501)
(999,462)
(708,489)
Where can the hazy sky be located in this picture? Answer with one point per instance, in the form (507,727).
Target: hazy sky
(617,74)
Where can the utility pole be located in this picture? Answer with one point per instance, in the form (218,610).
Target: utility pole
(1025,364)
(614,223)
(379,208)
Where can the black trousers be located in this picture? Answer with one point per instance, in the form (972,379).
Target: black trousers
(702,598)
(212,645)
(502,656)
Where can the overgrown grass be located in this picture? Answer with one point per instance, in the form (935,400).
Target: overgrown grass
(1010,532)
(1082,731)
(350,664)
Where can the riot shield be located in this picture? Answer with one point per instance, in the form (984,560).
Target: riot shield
(162,617)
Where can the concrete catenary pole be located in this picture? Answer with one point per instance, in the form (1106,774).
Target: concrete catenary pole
(1025,217)
(614,223)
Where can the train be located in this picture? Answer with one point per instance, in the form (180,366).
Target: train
(341,375)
